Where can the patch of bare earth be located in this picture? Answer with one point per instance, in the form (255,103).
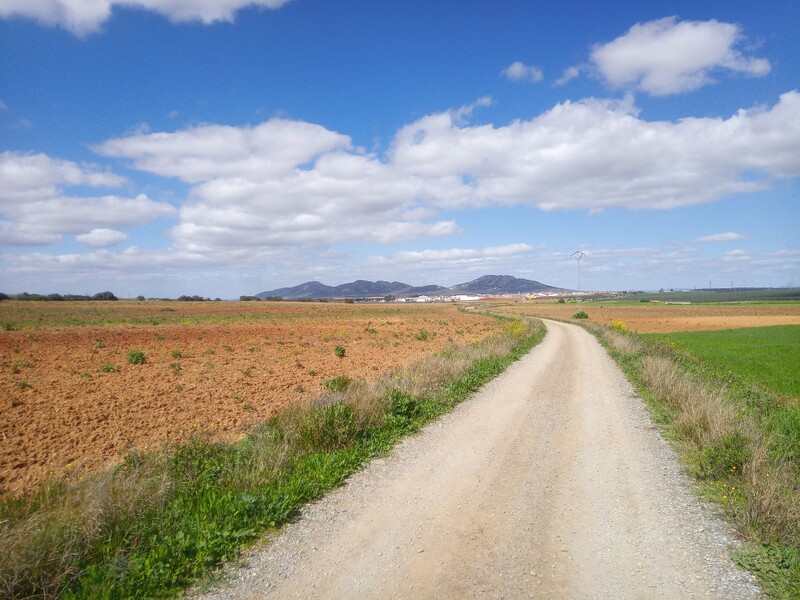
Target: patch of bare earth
(653,317)
(61,415)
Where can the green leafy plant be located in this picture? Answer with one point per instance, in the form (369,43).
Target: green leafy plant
(580,315)
(108,368)
(422,335)
(175,368)
(338,384)
(339,351)
(136,357)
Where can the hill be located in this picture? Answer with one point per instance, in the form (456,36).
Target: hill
(488,284)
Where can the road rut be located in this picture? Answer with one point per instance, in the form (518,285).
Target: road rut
(551,482)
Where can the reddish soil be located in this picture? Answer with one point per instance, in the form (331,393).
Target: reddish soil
(211,367)
(654,317)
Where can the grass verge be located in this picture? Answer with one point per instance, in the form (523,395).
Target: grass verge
(741,441)
(159,521)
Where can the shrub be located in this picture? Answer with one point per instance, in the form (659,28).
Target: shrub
(136,357)
(618,325)
(339,351)
(580,315)
(338,384)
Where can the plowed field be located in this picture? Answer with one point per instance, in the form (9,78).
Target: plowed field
(652,317)
(70,402)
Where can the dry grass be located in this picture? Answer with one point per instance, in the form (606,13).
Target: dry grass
(720,441)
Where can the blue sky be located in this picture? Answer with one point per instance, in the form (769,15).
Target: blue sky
(225,147)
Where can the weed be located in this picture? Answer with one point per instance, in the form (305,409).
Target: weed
(422,335)
(370,330)
(249,407)
(580,315)
(338,384)
(86,375)
(108,368)
(339,351)
(175,368)
(177,354)
(136,357)
(617,325)
(24,385)
(248,372)
(16,367)
(8,327)
(299,389)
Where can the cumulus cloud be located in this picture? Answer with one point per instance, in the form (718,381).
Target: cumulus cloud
(729,236)
(452,255)
(281,183)
(597,154)
(568,75)
(666,56)
(519,71)
(86,16)
(35,210)
(102,238)
(286,183)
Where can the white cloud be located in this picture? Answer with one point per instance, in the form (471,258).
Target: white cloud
(102,238)
(213,151)
(86,16)
(282,183)
(25,176)
(518,71)
(666,57)
(596,154)
(729,236)
(287,183)
(34,210)
(569,74)
(452,255)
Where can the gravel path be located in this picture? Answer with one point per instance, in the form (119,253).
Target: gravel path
(551,482)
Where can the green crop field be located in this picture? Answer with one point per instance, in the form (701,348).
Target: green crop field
(766,356)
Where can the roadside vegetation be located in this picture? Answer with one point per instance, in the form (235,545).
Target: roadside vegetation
(161,520)
(730,402)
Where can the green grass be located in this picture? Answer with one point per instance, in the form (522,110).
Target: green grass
(765,356)
(162,520)
(759,369)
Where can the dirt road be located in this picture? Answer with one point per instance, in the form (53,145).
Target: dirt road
(550,483)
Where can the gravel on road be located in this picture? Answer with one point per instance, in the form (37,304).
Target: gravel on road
(551,482)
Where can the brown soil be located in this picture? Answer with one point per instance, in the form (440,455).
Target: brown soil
(654,317)
(206,371)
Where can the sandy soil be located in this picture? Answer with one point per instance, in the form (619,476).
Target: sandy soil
(60,415)
(550,483)
(653,317)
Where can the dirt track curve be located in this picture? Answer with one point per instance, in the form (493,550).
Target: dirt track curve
(550,483)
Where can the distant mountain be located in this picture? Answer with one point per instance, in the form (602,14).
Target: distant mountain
(501,284)
(488,284)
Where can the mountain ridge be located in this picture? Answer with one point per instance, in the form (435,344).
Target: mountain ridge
(361,288)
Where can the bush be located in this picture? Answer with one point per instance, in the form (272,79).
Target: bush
(338,384)
(580,315)
(136,357)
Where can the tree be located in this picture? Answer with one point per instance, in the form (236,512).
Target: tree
(104,296)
